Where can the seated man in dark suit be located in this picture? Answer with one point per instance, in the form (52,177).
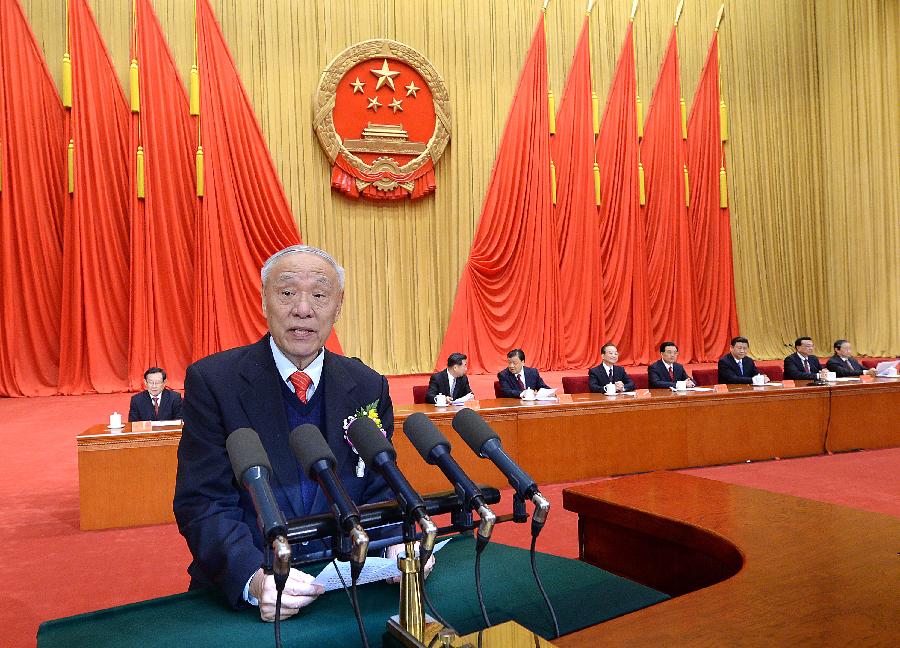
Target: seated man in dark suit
(665,372)
(516,378)
(844,364)
(803,365)
(284,380)
(453,382)
(608,372)
(737,368)
(156,403)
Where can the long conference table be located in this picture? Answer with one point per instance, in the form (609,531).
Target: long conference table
(128,478)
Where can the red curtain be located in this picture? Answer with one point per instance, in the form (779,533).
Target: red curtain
(621,222)
(32,186)
(94,323)
(161,316)
(710,223)
(508,295)
(577,216)
(668,237)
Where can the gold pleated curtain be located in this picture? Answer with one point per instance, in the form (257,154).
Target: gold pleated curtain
(813,101)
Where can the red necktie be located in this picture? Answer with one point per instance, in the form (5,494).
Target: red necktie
(156,406)
(301,383)
(806,365)
(671,374)
(521,382)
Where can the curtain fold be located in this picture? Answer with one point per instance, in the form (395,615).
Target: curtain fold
(508,295)
(32,185)
(94,323)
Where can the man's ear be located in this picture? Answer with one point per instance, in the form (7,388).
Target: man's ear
(337,313)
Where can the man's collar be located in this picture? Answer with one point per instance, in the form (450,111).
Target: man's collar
(607,364)
(285,367)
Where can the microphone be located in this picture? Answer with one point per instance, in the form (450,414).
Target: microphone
(484,442)
(318,462)
(252,469)
(378,453)
(434,448)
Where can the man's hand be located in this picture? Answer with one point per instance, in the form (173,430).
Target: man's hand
(395,550)
(299,592)
(620,386)
(690,382)
(870,372)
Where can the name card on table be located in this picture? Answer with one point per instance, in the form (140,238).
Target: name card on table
(720,389)
(787,383)
(866,378)
(642,393)
(141,426)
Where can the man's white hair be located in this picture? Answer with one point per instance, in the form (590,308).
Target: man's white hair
(300,249)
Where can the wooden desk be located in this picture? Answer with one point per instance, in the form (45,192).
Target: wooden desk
(775,570)
(129,479)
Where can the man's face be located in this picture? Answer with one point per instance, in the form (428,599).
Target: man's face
(515,365)
(670,354)
(846,350)
(458,371)
(301,301)
(806,347)
(155,383)
(740,350)
(611,355)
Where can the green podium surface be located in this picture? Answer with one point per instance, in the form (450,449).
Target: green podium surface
(581,594)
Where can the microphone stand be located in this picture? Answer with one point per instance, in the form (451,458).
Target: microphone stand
(409,628)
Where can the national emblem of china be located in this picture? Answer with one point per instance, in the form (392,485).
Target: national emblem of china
(382,114)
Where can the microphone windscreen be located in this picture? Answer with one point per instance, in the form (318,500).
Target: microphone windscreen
(423,434)
(309,447)
(245,450)
(368,439)
(473,429)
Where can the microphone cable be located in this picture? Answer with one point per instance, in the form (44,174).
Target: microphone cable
(425,597)
(479,547)
(279,590)
(537,579)
(354,601)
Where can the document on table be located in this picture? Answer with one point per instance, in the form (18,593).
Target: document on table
(462,400)
(545,394)
(375,569)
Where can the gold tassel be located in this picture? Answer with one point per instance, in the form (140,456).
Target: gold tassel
(641,183)
(683,120)
(723,120)
(195,90)
(553,181)
(595,110)
(597,184)
(687,189)
(200,171)
(723,189)
(140,172)
(551,107)
(70,159)
(135,88)
(640,118)
(67,81)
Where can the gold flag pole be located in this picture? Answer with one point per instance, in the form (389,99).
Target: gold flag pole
(682,103)
(67,68)
(195,107)
(551,103)
(136,104)
(639,114)
(723,123)
(595,109)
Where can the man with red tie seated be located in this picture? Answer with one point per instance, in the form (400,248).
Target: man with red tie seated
(737,368)
(665,372)
(608,372)
(803,365)
(844,364)
(156,403)
(452,382)
(516,378)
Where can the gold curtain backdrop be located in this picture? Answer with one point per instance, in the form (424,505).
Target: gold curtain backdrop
(813,101)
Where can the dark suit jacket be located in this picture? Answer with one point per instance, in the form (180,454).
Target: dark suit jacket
(793,368)
(729,374)
(440,384)
(658,375)
(837,365)
(597,378)
(142,407)
(509,386)
(240,388)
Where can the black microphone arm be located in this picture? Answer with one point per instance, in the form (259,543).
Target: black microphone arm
(252,469)
(318,462)
(484,442)
(379,455)
(434,448)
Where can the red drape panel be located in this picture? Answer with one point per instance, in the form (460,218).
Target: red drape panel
(162,239)
(32,172)
(508,295)
(577,216)
(244,215)
(94,340)
(710,224)
(668,237)
(621,222)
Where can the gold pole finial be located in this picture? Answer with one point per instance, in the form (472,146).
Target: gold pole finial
(634,8)
(678,12)
(590,6)
(720,16)
(546,2)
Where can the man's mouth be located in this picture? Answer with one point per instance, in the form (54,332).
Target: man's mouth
(301,333)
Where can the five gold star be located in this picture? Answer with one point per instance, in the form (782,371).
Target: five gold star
(395,105)
(357,85)
(374,104)
(411,89)
(385,75)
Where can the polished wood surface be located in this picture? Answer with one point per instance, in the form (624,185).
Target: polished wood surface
(129,478)
(775,570)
